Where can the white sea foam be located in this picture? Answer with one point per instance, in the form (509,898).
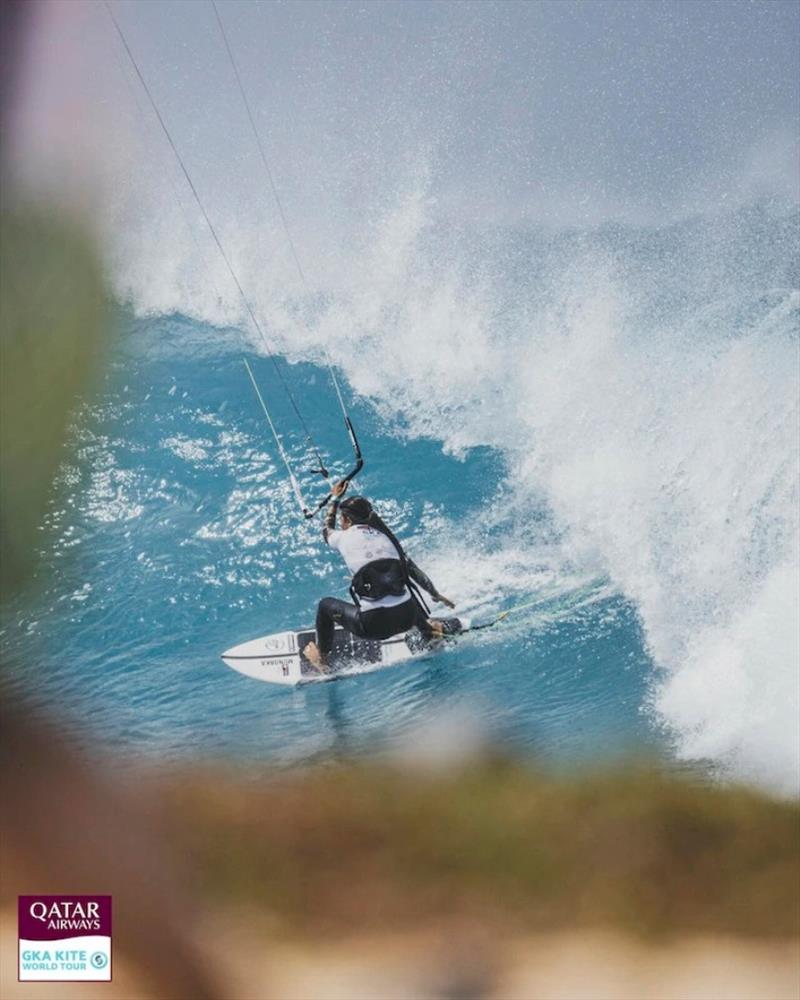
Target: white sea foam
(642,385)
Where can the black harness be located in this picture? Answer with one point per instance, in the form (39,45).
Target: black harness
(377,579)
(386,578)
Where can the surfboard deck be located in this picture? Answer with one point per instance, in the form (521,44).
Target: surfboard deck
(278,658)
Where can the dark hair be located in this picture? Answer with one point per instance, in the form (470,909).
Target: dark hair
(358,509)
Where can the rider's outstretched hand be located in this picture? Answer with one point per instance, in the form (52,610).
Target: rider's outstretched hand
(444,600)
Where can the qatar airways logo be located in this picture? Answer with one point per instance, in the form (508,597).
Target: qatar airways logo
(64,938)
(65,915)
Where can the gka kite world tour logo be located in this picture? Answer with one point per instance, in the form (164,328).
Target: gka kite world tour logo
(64,938)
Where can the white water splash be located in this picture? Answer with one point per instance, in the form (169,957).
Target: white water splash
(642,384)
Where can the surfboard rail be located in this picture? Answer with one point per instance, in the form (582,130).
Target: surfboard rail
(279,659)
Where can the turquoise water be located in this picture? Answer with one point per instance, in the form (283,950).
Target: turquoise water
(602,422)
(563,298)
(177,537)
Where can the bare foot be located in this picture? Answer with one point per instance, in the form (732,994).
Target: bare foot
(437,628)
(314,657)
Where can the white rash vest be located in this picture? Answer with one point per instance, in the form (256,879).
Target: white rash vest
(359,544)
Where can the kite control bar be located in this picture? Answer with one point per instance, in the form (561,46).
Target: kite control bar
(308,514)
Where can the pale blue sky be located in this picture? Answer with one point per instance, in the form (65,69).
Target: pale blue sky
(556,111)
(630,106)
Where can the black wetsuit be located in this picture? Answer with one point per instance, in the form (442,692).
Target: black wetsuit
(373,623)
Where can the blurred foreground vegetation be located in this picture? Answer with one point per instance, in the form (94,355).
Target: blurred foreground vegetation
(53,340)
(344,849)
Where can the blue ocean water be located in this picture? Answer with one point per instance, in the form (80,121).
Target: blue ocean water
(565,309)
(176,536)
(601,422)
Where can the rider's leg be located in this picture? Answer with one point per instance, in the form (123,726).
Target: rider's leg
(330,613)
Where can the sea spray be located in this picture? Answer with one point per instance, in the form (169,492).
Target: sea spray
(641,384)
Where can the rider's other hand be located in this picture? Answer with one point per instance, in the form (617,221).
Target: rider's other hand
(339,488)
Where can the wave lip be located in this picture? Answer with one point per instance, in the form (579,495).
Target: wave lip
(640,383)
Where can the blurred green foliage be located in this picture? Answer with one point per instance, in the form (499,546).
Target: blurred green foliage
(53,337)
(359,848)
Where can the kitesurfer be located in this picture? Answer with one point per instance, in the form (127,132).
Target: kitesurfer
(382,586)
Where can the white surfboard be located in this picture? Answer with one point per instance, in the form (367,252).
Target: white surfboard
(278,659)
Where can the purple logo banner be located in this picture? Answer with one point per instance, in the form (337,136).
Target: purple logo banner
(53,918)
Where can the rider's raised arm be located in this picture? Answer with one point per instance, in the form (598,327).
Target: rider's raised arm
(330,520)
(329,532)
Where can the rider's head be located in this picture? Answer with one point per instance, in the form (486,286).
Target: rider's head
(355,510)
